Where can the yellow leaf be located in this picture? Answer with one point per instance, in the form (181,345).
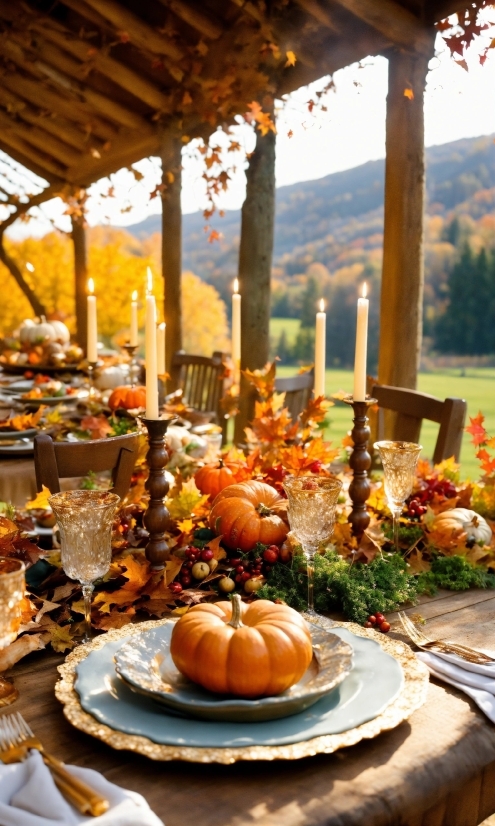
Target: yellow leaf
(185,525)
(40,500)
(181,611)
(291,59)
(60,637)
(214,545)
(408,93)
(189,498)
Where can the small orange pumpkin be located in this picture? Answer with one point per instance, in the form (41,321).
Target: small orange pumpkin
(211,479)
(247,513)
(127,397)
(256,650)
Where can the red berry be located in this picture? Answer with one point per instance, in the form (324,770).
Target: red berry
(187,565)
(268,568)
(385,627)
(239,569)
(190,552)
(175,587)
(235,562)
(315,466)
(238,578)
(372,620)
(245,576)
(206,555)
(270,555)
(379,618)
(368,625)
(185,579)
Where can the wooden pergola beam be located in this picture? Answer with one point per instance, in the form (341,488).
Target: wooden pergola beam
(39,139)
(123,153)
(140,33)
(40,95)
(207,26)
(320,14)
(395,22)
(41,159)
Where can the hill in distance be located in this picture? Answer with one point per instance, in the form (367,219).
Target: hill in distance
(317,220)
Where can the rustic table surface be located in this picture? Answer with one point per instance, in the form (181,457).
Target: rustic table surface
(436,769)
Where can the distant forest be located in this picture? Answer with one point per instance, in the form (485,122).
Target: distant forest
(328,240)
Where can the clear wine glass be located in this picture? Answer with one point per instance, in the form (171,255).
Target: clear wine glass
(12,588)
(312,504)
(399,460)
(85,518)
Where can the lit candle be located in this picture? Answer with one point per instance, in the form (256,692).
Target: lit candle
(150,353)
(236,331)
(361,348)
(320,348)
(160,344)
(92,328)
(133,339)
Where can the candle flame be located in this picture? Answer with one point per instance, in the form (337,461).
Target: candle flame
(29,266)
(91,286)
(236,285)
(149,281)
(322,305)
(134,295)
(364,292)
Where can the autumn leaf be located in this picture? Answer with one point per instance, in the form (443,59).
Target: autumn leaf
(462,63)
(137,572)
(408,93)
(115,619)
(417,564)
(97,426)
(40,500)
(487,463)
(291,59)
(187,501)
(60,637)
(185,525)
(24,421)
(263,380)
(476,429)
(214,545)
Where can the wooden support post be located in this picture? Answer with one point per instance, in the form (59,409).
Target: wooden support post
(80,278)
(402,280)
(255,264)
(172,243)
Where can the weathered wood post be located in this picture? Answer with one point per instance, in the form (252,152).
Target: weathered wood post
(80,277)
(403,271)
(255,264)
(172,242)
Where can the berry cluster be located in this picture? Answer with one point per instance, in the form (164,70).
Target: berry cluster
(249,570)
(199,563)
(379,622)
(433,487)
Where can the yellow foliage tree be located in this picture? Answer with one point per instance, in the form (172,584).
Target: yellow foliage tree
(117,263)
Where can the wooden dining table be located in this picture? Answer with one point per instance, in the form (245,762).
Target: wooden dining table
(435,769)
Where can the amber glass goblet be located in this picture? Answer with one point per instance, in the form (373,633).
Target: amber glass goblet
(399,460)
(312,504)
(85,518)
(12,588)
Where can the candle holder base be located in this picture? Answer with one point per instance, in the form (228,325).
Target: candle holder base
(92,368)
(360,463)
(157,515)
(131,350)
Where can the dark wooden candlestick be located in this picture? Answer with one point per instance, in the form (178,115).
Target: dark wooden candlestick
(360,462)
(157,515)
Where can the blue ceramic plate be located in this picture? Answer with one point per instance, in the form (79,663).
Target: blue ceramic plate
(375,681)
(146,665)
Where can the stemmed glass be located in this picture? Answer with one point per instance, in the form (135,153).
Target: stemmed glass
(312,503)
(12,588)
(85,518)
(399,460)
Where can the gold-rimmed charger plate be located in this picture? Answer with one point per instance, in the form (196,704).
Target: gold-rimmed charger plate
(411,696)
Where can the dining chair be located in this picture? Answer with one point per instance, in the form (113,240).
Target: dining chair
(201,379)
(297,391)
(62,460)
(411,407)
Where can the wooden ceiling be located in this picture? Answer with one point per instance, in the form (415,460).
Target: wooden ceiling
(89,86)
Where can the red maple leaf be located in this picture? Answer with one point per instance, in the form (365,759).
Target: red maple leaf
(476,429)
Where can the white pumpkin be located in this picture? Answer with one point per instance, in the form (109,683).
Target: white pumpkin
(477,529)
(111,377)
(62,331)
(37,333)
(177,437)
(24,330)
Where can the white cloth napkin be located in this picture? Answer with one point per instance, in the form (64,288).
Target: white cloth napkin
(477,681)
(29,797)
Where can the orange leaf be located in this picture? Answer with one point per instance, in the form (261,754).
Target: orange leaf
(476,429)
(214,545)
(408,93)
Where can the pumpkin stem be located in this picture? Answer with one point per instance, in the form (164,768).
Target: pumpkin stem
(263,510)
(43,319)
(236,622)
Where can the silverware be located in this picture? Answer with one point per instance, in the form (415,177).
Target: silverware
(16,738)
(422,641)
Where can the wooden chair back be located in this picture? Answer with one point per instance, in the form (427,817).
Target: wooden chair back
(412,407)
(201,380)
(62,460)
(297,391)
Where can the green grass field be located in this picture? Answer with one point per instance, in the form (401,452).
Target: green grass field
(290,325)
(477,386)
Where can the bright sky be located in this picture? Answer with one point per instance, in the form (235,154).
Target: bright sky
(458,104)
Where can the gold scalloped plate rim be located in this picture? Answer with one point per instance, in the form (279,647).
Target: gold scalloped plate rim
(411,697)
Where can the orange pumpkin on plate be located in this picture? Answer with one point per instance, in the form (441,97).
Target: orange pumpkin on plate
(211,479)
(247,513)
(256,650)
(127,397)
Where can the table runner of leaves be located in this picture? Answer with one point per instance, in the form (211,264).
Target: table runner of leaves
(355,578)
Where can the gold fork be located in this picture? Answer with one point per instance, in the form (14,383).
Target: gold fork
(16,738)
(422,641)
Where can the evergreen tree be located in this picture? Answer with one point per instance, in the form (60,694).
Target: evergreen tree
(310,303)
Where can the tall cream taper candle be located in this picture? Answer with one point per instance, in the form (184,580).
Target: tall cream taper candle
(361,348)
(150,353)
(92,327)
